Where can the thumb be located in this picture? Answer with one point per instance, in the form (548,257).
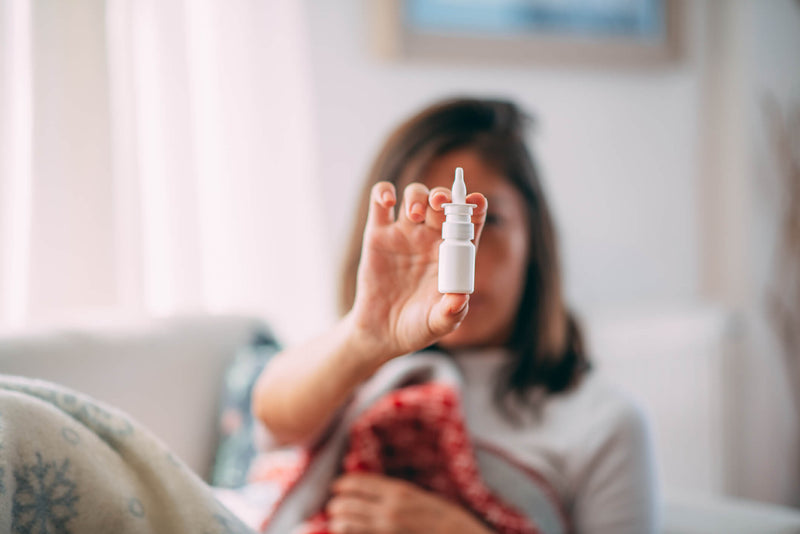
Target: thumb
(447,314)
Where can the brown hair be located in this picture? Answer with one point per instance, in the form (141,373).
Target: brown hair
(546,340)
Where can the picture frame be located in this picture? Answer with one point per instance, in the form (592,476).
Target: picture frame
(540,32)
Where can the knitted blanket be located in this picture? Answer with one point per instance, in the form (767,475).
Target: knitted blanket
(408,424)
(70,464)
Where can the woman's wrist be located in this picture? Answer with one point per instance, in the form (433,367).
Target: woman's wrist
(367,351)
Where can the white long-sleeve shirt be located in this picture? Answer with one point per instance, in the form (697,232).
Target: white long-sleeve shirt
(589,448)
(591,445)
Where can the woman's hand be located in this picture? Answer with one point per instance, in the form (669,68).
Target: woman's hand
(397,310)
(374,504)
(397,307)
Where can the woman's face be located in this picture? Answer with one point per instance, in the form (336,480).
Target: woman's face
(502,253)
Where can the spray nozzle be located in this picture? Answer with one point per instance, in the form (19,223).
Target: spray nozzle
(459,190)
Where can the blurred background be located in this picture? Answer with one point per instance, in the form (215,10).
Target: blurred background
(170,157)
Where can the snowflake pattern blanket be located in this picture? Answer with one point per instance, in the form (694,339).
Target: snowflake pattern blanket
(407,423)
(69,464)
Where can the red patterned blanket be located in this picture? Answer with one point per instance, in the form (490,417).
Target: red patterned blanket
(416,433)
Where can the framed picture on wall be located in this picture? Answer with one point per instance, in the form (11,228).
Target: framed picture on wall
(621,32)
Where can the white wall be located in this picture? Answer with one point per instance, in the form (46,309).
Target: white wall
(617,149)
(771,437)
(751,52)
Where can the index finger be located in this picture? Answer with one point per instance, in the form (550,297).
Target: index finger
(434,216)
(381,205)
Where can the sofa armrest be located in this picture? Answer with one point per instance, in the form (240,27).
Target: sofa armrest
(700,514)
(166,373)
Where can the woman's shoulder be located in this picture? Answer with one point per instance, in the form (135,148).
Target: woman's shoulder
(610,472)
(603,407)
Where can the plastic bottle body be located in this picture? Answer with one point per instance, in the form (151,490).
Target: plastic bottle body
(457,252)
(456,266)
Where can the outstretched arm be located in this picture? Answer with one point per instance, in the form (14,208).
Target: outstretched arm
(397,310)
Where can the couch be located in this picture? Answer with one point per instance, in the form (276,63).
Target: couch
(167,373)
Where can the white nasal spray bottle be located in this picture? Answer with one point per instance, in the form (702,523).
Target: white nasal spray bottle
(457,252)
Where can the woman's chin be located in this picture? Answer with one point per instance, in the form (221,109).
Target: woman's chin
(484,326)
(468,334)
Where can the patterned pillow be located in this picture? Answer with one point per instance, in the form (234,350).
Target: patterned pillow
(236,425)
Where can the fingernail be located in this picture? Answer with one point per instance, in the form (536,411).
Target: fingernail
(386,197)
(461,308)
(418,209)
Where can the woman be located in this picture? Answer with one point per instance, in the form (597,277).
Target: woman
(528,389)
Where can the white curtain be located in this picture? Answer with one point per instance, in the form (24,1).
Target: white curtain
(156,157)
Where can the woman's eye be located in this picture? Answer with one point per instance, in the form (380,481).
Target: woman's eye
(493,220)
